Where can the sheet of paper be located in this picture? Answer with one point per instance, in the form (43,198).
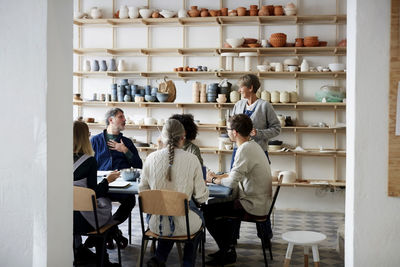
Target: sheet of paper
(398,111)
(119,183)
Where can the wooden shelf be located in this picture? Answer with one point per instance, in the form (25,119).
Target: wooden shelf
(268,51)
(314,183)
(213,74)
(213,21)
(297,106)
(306,129)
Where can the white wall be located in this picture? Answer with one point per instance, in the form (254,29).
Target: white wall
(35,165)
(372,218)
(309,199)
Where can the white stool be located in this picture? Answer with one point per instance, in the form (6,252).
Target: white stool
(306,239)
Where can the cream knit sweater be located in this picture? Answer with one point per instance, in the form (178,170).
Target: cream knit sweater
(187,177)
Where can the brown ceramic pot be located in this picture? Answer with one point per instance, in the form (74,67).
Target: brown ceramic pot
(155,15)
(194,12)
(253,7)
(241,11)
(214,13)
(271,10)
(278,10)
(253,12)
(299,42)
(204,12)
(263,11)
(224,11)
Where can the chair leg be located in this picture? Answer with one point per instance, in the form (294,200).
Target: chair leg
(130,228)
(142,251)
(203,253)
(270,249)
(180,254)
(103,251)
(262,238)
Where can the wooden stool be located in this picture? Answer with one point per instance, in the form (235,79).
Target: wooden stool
(306,239)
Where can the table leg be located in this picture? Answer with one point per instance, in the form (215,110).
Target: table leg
(288,254)
(130,228)
(315,255)
(306,256)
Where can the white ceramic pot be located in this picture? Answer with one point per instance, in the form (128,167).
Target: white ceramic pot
(123,12)
(304,67)
(275,97)
(96,13)
(182,13)
(234,96)
(293,97)
(287,176)
(121,65)
(150,121)
(284,97)
(86,66)
(266,96)
(145,13)
(133,12)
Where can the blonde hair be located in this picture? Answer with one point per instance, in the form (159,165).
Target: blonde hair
(81,139)
(171,133)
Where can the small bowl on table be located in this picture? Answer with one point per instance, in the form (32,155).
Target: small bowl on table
(130,174)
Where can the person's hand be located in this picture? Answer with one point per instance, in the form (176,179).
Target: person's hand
(253,132)
(120,147)
(112,176)
(210,174)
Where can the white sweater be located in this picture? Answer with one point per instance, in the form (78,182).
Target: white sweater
(187,177)
(252,173)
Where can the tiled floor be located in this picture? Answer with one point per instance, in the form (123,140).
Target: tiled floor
(249,246)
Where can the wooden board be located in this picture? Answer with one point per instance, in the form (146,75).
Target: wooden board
(394,141)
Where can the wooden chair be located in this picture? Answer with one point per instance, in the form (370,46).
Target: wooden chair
(260,221)
(85,200)
(166,203)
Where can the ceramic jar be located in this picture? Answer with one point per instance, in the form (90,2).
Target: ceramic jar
(263,11)
(224,11)
(253,10)
(234,96)
(284,97)
(270,10)
(278,10)
(121,65)
(95,65)
(287,176)
(275,97)
(193,12)
(133,12)
(266,96)
(304,67)
(113,66)
(232,13)
(196,92)
(182,13)
(299,42)
(86,66)
(278,67)
(96,13)
(241,11)
(204,12)
(123,12)
(203,93)
(293,97)
(103,65)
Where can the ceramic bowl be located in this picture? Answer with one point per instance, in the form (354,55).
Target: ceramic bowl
(130,174)
(168,13)
(235,42)
(145,13)
(150,121)
(150,98)
(336,66)
(262,67)
(291,61)
(290,11)
(162,97)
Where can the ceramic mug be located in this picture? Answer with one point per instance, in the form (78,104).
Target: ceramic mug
(287,176)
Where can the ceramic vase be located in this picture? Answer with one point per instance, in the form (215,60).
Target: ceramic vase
(96,13)
(123,12)
(103,65)
(284,97)
(275,97)
(113,66)
(304,67)
(234,96)
(182,13)
(293,97)
(95,65)
(133,12)
(86,66)
(121,65)
(266,96)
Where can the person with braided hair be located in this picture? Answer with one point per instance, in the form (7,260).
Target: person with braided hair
(174,169)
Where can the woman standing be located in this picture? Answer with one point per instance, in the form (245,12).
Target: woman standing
(266,124)
(174,169)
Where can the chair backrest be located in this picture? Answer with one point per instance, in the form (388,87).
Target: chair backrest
(83,199)
(275,196)
(163,202)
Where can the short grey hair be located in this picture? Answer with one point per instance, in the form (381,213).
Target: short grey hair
(250,80)
(112,113)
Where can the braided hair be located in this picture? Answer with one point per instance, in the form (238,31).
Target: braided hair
(171,133)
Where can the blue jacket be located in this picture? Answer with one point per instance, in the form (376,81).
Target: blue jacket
(111,159)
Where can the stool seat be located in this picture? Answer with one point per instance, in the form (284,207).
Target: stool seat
(306,239)
(303,237)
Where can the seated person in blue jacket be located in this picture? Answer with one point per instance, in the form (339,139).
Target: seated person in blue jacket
(112,150)
(115,152)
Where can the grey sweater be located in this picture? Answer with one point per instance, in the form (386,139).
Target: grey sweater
(252,175)
(264,121)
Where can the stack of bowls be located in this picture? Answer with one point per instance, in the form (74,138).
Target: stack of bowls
(311,41)
(114,87)
(150,94)
(226,90)
(120,93)
(134,90)
(212,91)
(278,39)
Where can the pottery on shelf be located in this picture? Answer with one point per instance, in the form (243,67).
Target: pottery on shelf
(123,12)
(155,14)
(304,67)
(234,96)
(263,11)
(241,11)
(121,65)
(113,66)
(275,97)
(96,13)
(266,96)
(133,12)
(95,65)
(204,12)
(278,39)
(193,12)
(103,65)
(168,13)
(86,66)
(145,13)
(224,11)
(293,97)
(284,97)
(278,10)
(182,13)
(299,42)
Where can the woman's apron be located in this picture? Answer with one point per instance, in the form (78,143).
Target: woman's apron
(104,205)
